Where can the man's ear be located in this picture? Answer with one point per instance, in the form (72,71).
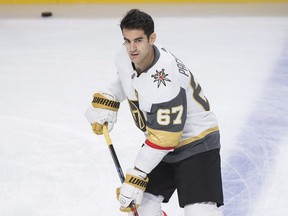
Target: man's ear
(152,38)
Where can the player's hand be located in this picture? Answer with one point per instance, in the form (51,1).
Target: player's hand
(103,110)
(132,189)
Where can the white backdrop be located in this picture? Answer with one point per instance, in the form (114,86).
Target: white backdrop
(52,164)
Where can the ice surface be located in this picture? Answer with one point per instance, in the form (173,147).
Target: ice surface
(52,164)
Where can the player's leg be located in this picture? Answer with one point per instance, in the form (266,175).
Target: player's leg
(199,184)
(200,209)
(150,206)
(159,189)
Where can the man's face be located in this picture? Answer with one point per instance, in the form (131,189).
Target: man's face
(137,44)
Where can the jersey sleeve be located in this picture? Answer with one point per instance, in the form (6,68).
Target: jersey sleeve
(115,87)
(165,123)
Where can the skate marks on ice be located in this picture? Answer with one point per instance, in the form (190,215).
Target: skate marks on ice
(251,165)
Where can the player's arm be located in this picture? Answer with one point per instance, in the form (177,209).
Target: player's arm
(165,123)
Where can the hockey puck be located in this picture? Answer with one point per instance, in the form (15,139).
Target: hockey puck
(46,14)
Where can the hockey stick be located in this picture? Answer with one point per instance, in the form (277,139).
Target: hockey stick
(116,163)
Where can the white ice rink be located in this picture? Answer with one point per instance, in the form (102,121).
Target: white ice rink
(51,164)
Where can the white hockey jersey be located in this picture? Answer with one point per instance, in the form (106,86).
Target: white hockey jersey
(167,104)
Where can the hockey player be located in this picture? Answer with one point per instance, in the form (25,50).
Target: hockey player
(182,145)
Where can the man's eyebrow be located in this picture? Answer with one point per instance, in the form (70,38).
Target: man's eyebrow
(133,39)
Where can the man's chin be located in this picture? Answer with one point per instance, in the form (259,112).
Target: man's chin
(133,60)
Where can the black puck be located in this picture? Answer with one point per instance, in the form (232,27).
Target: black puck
(46,14)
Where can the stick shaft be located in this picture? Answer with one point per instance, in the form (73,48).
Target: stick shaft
(113,154)
(117,163)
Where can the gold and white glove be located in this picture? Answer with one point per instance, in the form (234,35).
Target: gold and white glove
(132,189)
(103,110)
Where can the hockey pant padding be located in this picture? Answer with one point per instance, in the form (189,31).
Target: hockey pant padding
(150,206)
(200,209)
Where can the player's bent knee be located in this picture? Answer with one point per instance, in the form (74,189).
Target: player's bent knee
(151,205)
(200,209)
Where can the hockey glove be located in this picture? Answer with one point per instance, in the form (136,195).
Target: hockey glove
(104,109)
(132,189)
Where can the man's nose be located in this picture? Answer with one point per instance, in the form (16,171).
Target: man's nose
(133,46)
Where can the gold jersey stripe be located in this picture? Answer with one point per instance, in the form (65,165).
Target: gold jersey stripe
(198,137)
(164,138)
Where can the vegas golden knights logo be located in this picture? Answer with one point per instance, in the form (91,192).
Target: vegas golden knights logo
(161,77)
(138,115)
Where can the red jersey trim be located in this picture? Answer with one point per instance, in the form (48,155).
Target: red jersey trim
(152,145)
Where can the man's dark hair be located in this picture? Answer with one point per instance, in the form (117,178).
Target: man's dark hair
(136,19)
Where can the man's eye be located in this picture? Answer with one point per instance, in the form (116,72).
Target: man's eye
(138,40)
(126,42)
